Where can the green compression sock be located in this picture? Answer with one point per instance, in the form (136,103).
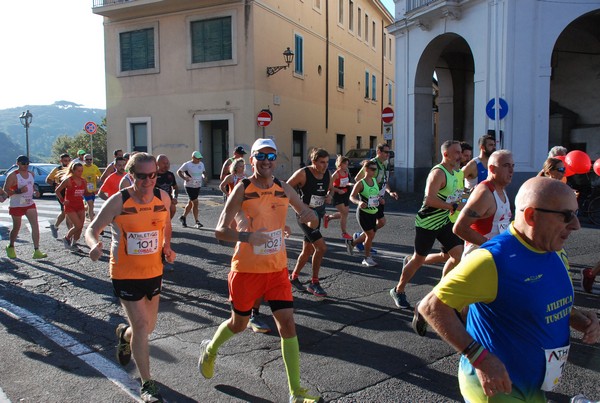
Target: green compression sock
(222,334)
(290,350)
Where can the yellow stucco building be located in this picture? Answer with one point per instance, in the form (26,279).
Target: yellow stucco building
(185,75)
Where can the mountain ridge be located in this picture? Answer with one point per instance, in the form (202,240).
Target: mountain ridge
(48,122)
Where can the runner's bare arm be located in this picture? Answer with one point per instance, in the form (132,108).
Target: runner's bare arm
(223,232)
(298,179)
(481,204)
(435,181)
(358,187)
(225,182)
(169,253)
(107,214)
(306,214)
(491,371)
(470,170)
(587,323)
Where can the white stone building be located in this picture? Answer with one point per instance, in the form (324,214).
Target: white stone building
(542,57)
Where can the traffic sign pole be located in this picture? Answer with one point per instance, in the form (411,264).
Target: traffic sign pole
(91,128)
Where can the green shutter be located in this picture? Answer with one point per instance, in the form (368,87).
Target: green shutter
(211,40)
(137,49)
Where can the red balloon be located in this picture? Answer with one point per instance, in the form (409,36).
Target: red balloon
(597,167)
(578,161)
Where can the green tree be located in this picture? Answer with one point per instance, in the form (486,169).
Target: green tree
(67,144)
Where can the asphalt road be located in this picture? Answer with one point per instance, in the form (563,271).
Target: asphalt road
(57,321)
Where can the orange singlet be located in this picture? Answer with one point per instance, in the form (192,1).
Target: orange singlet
(137,239)
(263,208)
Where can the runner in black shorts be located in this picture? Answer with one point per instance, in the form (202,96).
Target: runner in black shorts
(135,290)
(367,196)
(314,184)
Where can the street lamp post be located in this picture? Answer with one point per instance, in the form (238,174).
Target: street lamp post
(26,118)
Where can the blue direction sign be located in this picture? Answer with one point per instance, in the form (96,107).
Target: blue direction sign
(490,108)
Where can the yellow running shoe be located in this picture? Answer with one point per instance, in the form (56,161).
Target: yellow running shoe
(38,254)
(302,396)
(206,362)
(10,252)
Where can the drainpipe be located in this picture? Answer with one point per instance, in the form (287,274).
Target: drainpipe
(326,65)
(382,73)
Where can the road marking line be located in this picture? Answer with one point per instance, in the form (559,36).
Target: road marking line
(3,397)
(111,371)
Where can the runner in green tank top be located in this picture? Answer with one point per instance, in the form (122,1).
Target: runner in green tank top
(367,196)
(444,184)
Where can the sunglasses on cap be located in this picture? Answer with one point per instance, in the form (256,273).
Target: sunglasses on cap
(141,177)
(568,215)
(262,156)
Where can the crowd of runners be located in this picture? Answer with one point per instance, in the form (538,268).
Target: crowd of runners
(494,263)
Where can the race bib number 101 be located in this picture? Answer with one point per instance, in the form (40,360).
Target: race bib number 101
(142,243)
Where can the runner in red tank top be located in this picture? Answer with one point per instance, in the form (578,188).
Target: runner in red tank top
(74,186)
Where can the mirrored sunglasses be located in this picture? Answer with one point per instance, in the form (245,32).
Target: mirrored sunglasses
(263,156)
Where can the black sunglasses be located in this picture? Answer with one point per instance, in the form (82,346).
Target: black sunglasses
(24,163)
(568,215)
(561,170)
(372,168)
(263,156)
(141,177)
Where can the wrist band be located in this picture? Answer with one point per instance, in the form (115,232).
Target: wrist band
(473,357)
(244,236)
(470,346)
(479,359)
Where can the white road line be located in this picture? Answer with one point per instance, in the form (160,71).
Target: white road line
(111,371)
(3,397)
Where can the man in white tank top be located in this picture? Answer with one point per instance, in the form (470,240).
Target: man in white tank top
(19,187)
(487,212)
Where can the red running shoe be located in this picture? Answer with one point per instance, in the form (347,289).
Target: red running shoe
(346,235)
(326,221)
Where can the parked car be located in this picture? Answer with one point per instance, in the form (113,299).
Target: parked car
(358,155)
(40,172)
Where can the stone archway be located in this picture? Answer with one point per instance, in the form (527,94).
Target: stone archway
(575,86)
(443,109)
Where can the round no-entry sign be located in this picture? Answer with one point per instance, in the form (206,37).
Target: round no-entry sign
(387,115)
(264,118)
(90,128)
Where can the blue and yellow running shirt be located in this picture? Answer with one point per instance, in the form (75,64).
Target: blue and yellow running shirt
(519,308)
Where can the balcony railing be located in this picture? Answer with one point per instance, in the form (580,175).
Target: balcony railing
(412,4)
(103,3)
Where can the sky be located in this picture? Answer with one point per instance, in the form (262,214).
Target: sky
(52,51)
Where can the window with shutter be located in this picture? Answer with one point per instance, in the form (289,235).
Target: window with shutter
(137,49)
(211,40)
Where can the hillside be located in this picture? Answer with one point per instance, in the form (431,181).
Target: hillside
(49,122)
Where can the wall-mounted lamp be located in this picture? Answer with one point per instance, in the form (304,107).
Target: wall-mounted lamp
(288,56)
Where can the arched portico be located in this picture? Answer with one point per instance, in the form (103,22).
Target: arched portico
(443,100)
(575,86)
